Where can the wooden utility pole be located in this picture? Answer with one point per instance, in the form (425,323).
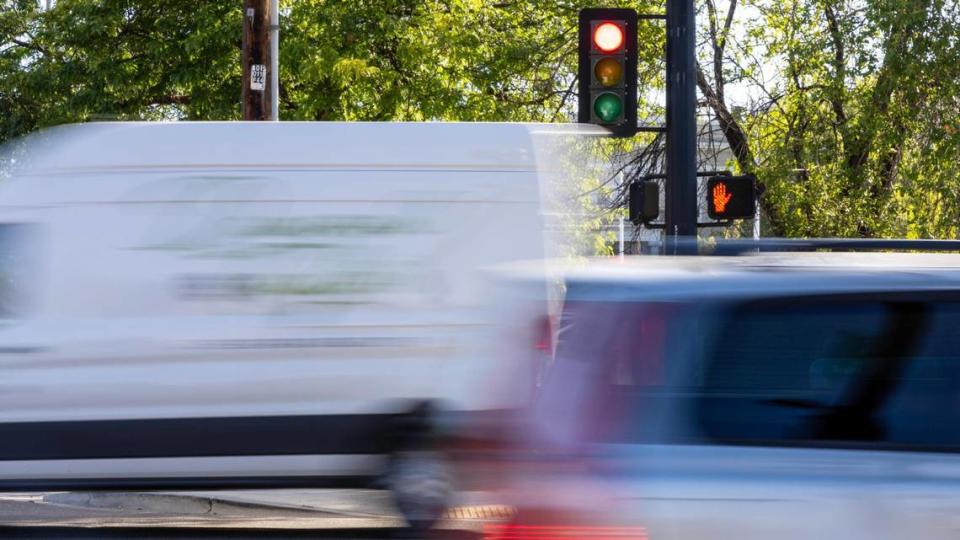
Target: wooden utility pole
(256,60)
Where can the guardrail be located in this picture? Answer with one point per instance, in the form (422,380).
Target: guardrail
(766,245)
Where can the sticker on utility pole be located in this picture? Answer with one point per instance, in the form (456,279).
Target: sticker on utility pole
(258,74)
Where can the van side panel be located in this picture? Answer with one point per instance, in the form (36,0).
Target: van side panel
(266,293)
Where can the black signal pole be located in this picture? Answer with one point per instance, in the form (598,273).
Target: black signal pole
(681,183)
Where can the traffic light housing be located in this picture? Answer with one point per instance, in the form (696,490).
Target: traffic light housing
(732,197)
(608,69)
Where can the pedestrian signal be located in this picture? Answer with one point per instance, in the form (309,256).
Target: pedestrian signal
(731,197)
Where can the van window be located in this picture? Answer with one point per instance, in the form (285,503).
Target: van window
(835,371)
(18,254)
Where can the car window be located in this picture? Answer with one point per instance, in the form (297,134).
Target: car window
(834,371)
(609,356)
(925,409)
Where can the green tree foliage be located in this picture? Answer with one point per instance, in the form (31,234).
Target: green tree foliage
(482,60)
(855,134)
(853,125)
(467,60)
(427,60)
(86,60)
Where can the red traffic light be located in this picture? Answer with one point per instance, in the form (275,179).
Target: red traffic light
(608,37)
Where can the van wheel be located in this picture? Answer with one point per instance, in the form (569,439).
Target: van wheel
(420,482)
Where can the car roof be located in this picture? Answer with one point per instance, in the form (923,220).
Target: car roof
(391,145)
(666,278)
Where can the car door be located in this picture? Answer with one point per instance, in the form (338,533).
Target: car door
(776,428)
(922,419)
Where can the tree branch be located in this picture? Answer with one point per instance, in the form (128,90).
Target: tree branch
(839,62)
(31,46)
(737,140)
(727,24)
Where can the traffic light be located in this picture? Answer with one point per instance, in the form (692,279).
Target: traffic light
(732,197)
(608,69)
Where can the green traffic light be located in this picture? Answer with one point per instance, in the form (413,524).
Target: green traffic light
(608,107)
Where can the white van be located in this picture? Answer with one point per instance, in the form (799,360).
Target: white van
(254,304)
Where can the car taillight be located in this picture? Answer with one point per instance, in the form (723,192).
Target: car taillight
(544,341)
(561,532)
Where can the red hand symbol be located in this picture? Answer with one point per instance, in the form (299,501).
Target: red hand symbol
(721,197)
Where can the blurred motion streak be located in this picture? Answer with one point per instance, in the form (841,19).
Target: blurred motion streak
(557,532)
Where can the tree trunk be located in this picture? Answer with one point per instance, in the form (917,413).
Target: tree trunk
(739,145)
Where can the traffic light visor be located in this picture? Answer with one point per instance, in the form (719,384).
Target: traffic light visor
(608,36)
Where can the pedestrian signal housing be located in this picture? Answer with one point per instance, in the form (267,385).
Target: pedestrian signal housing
(644,201)
(731,197)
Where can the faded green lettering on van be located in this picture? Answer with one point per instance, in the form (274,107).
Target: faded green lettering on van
(254,238)
(300,285)
(332,226)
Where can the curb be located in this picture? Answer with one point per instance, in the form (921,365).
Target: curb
(172,503)
(185,504)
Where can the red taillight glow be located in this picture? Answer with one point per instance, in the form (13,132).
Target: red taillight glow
(544,335)
(608,36)
(558,532)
